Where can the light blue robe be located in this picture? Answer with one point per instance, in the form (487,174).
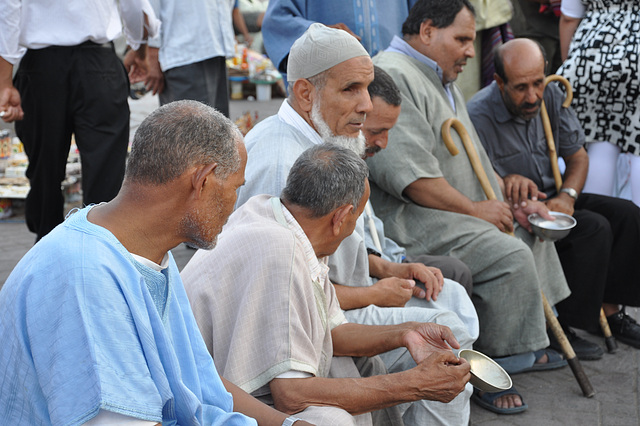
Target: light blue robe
(375,21)
(85,327)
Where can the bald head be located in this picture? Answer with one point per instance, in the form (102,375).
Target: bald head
(518,53)
(520,65)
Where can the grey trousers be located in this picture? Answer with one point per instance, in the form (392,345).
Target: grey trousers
(204,81)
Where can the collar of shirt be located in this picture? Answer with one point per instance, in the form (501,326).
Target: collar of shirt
(287,114)
(398,45)
(319,269)
(153,265)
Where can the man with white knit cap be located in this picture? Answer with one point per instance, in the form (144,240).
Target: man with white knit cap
(328,75)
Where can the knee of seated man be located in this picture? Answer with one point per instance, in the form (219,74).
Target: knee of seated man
(594,226)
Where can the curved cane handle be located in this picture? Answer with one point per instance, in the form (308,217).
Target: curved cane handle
(565,83)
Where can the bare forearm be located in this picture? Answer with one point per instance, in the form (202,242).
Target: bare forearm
(379,267)
(567,29)
(577,169)
(6,73)
(367,340)
(437,193)
(249,406)
(354,297)
(354,395)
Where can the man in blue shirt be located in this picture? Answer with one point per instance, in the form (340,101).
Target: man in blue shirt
(94,320)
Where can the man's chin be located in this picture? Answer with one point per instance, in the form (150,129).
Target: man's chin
(203,245)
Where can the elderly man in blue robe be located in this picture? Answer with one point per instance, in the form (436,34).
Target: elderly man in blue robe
(373,22)
(94,320)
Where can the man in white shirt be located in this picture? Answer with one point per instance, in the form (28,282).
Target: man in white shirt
(329,72)
(70,82)
(272,320)
(185,63)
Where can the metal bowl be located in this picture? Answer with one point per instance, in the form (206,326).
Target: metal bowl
(486,374)
(552,230)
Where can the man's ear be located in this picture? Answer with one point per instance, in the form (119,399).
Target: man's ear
(304,93)
(499,81)
(339,217)
(426,32)
(201,176)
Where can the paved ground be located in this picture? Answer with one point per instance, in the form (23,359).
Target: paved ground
(554,398)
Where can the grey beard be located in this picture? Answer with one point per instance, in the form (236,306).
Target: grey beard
(356,144)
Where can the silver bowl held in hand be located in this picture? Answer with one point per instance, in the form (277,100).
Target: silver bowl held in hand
(552,230)
(486,374)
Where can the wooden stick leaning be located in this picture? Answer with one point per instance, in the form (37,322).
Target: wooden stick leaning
(552,321)
(609,340)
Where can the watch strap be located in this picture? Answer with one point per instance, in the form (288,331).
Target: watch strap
(290,421)
(570,192)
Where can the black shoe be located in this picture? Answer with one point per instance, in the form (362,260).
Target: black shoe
(584,349)
(624,328)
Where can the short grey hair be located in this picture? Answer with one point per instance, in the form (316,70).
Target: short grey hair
(181,135)
(324,178)
(318,81)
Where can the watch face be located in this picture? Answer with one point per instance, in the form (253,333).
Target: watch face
(571,192)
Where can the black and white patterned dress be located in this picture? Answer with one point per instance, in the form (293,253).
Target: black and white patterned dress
(602,67)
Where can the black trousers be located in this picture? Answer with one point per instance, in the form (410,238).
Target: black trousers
(79,90)
(600,259)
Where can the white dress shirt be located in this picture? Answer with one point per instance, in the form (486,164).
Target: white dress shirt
(35,24)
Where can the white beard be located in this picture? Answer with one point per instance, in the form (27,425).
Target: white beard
(356,144)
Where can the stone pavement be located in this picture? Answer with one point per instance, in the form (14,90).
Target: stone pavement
(554,397)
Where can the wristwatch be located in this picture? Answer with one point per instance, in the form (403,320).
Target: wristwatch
(571,192)
(290,421)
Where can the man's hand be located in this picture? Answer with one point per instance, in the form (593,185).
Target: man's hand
(431,278)
(532,207)
(519,189)
(563,203)
(10,104)
(154,82)
(444,376)
(135,61)
(424,338)
(341,26)
(495,212)
(393,292)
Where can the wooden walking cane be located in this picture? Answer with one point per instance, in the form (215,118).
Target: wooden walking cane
(609,340)
(569,354)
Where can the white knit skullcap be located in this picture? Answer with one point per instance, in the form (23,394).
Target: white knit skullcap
(319,49)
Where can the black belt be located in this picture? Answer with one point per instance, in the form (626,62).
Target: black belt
(84,45)
(89,43)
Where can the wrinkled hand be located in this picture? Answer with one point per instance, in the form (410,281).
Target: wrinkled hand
(563,203)
(424,338)
(442,376)
(154,82)
(531,207)
(495,212)
(393,292)
(341,26)
(10,104)
(431,278)
(519,189)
